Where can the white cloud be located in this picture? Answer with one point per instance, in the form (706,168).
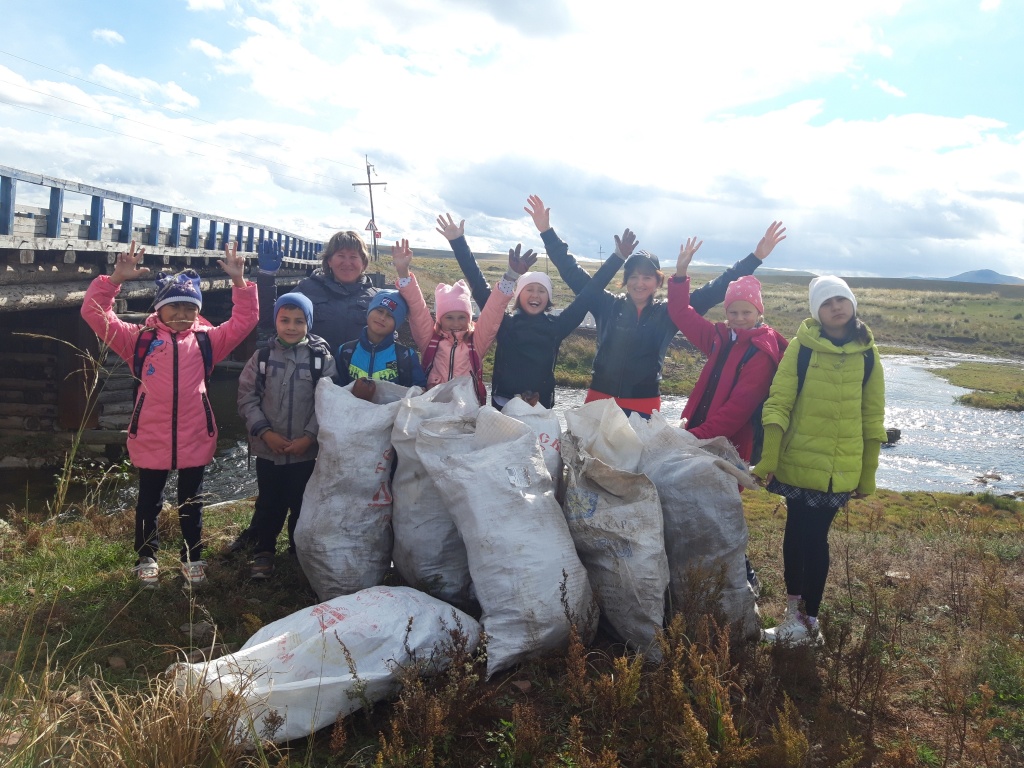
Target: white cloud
(990,5)
(889,88)
(107,36)
(206,48)
(173,95)
(206,5)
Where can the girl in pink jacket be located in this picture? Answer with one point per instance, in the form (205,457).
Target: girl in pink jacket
(453,345)
(172,425)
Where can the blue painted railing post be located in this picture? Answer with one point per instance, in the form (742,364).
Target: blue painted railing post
(174,236)
(127,216)
(96,218)
(211,237)
(55,214)
(238,236)
(193,234)
(8,189)
(154,228)
(248,239)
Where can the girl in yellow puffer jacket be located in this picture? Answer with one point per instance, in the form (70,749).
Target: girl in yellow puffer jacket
(823,429)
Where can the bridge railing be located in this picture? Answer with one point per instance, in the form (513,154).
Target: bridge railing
(169,231)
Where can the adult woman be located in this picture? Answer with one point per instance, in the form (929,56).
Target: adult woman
(339,289)
(634,329)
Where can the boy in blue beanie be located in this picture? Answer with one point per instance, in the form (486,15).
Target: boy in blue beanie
(375,355)
(276,399)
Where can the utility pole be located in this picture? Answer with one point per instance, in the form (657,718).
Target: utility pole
(372,226)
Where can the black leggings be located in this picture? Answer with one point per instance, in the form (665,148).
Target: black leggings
(805,553)
(190,511)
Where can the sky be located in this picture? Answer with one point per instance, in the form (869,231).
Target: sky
(888,136)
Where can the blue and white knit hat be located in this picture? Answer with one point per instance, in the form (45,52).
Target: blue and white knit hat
(182,287)
(393,302)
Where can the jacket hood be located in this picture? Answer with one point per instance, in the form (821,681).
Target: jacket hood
(328,283)
(364,339)
(768,340)
(809,335)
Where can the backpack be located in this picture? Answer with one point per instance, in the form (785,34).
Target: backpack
(474,360)
(403,357)
(143,344)
(318,352)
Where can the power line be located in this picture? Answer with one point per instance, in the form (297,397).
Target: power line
(159,106)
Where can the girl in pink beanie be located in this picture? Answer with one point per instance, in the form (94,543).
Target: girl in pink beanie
(453,345)
(742,356)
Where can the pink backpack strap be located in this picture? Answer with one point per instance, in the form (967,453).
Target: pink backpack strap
(430,353)
(478,371)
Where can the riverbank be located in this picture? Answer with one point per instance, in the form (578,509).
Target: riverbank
(923,662)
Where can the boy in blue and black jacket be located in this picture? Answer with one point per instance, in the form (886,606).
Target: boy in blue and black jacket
(375,354)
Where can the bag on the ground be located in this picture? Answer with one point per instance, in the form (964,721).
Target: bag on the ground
(294,676)
(616,522)
(705,531)
(428,551)
(343,537)
(526,574)
(545,425)
(603,431)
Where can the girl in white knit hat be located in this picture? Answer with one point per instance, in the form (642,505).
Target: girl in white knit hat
(823,430)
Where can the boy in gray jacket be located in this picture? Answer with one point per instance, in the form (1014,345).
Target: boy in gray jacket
(275,398)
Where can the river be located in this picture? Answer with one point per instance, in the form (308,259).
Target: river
(944,446)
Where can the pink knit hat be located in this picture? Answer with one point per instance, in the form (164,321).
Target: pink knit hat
(452,298)
(747,288)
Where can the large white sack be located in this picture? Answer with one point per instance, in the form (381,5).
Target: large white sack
(616,522)
(604,432)
(343,537)
(296,668)
(428,551)
(545,425)
(704,524)
(519,547)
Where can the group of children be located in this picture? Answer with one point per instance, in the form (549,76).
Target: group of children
(822,394)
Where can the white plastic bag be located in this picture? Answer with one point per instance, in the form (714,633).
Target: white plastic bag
(343,537)
(296,667)
(520,551)
(704,525)
(428,551)
(603,431)
(616,522)
(545,425)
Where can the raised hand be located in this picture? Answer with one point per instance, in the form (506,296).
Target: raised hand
(128,265)
(401,257)
(541,216)
(449,229)
(774,235)
(625,245)
(270,256)
(521,264)
(233,263)
(686,252)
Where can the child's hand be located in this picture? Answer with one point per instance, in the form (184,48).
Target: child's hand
(774,235)
(521,264)
(275,442)
(299,445)
(541,216)
(127,266)
(686,252)
(401,257)
(449,229)
(625,245)
(233,264)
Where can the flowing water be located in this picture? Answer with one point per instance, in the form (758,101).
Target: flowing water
(944,446)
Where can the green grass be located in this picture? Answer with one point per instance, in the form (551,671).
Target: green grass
(996,386)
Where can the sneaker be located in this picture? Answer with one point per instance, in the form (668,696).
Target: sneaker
(262,566)
(194,572)
(794,631)
(242,543)
(752,579)
(148,572)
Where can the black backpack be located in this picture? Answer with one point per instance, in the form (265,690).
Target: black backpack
(318,350)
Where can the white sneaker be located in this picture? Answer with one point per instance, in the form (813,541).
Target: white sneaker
(795,630)
(194,572)
(147,572)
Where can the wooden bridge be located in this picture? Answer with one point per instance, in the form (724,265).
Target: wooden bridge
(48,256)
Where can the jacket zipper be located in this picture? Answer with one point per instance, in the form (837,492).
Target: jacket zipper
(451,358)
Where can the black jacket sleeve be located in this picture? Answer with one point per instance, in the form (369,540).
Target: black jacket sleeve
(266,291)
(474,276)
(712,294)
(572,273)
(588,298)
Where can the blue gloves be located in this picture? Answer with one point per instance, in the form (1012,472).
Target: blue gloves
(270,256)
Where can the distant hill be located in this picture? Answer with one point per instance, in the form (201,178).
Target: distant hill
(987,276)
